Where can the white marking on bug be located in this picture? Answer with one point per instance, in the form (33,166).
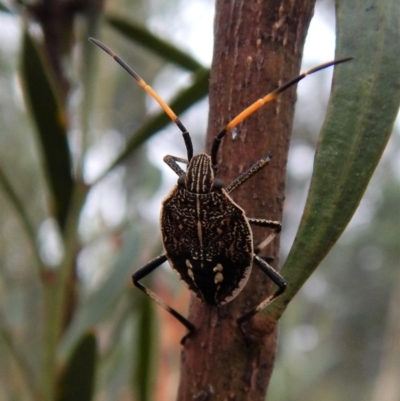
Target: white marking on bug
(188,264)
(190,274)
(218,268)
(199,229)
(218,278)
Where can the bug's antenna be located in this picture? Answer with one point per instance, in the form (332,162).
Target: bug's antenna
(260,102)
(152,93)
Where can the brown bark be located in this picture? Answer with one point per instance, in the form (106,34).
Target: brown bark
(258,45)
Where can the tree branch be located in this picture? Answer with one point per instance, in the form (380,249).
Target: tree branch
(258,45)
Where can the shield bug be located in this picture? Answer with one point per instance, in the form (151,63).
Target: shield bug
(207,237)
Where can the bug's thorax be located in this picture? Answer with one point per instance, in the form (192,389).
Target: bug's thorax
(199,177)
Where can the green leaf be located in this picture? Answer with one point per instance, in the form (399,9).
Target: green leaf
(77,381)
(18,356)
(144,351)
(87,67)
(96,306)
(4,8)
(179,104)
(162,48)
(22,213)
(363,106)
(50,120)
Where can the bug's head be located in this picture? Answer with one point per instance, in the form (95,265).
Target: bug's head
(199,177)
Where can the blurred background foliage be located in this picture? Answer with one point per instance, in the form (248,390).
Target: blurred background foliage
(82,207)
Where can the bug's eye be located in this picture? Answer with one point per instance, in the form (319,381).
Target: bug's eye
(181,181)
(217,184)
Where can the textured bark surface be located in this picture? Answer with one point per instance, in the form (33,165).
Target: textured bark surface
(258,45)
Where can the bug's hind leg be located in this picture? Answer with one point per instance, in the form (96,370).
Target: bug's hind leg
(277,279)
(172,162)
(263,263)
(267,258)
(143,272)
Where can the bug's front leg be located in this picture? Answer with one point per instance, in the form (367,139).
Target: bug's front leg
(247,174)
(143,272)
(172,162)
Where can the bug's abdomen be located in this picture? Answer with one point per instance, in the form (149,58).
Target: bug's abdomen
(208,241)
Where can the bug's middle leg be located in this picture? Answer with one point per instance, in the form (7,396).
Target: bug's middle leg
(276,226)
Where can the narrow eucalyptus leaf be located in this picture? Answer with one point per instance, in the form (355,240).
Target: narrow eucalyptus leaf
(50,120)
(362,109)
(77,380)
(156,45)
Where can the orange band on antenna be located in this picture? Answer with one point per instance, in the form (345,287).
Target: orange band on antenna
(161,102)
(250,110)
